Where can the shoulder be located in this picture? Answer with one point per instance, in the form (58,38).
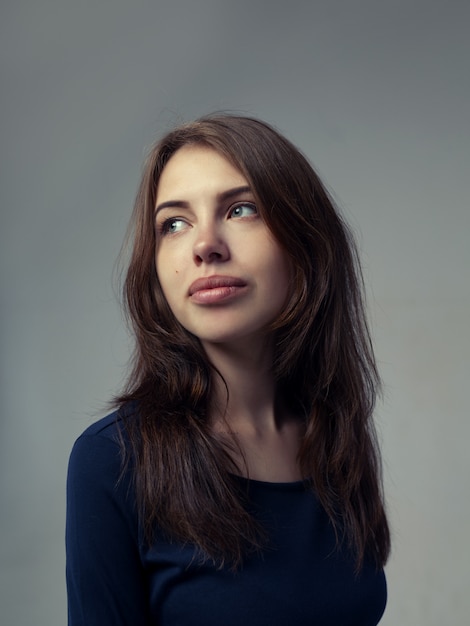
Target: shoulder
(98,453)
(110,427)
(105,433)
(107,427)
(104,573)
(99,481)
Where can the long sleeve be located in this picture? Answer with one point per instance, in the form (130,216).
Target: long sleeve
(105,578)
(114,579)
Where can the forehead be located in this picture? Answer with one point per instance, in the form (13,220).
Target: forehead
(195,168)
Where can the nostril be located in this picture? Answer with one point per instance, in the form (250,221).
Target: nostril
(211,251)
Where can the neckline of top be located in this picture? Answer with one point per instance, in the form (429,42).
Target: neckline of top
(293,485)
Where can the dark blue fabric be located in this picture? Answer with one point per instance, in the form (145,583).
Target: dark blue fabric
(113,580)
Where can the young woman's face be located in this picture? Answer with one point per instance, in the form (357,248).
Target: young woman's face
(222,272)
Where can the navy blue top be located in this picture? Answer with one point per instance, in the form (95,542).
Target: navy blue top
(114,579)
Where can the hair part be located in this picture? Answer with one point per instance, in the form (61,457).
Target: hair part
(324,363)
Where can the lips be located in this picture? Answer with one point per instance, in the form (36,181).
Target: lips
(212,282)
(213,289)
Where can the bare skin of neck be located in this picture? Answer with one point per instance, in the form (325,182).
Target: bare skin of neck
(266,435)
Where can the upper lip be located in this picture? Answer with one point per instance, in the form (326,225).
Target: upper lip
(212,282)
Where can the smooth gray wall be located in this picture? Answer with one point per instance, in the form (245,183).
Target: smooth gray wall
(377,95)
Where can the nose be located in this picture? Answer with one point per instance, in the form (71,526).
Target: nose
(210,246)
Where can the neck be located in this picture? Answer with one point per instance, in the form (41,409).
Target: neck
(245,390)
(261,436)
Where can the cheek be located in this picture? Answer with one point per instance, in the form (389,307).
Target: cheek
(165,265)
(278,277)
(162,267)
(171,278)
(169,260)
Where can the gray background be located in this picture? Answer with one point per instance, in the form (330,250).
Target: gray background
(377,94)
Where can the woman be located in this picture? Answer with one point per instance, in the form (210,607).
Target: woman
(238,481)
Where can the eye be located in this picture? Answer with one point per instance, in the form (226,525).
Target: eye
(172,225)
(243,209)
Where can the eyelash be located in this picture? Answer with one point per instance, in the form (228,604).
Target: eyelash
(239,205)
(163,228)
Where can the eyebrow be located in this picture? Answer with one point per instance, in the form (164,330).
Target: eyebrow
(221,197)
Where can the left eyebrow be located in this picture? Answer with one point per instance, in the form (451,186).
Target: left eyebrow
(236,191)
(221,197)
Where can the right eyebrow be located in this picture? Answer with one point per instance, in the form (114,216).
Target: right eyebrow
(181,204)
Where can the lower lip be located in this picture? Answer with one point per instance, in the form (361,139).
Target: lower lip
(217,295)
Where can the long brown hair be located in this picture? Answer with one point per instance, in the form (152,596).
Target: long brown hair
(324,364)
